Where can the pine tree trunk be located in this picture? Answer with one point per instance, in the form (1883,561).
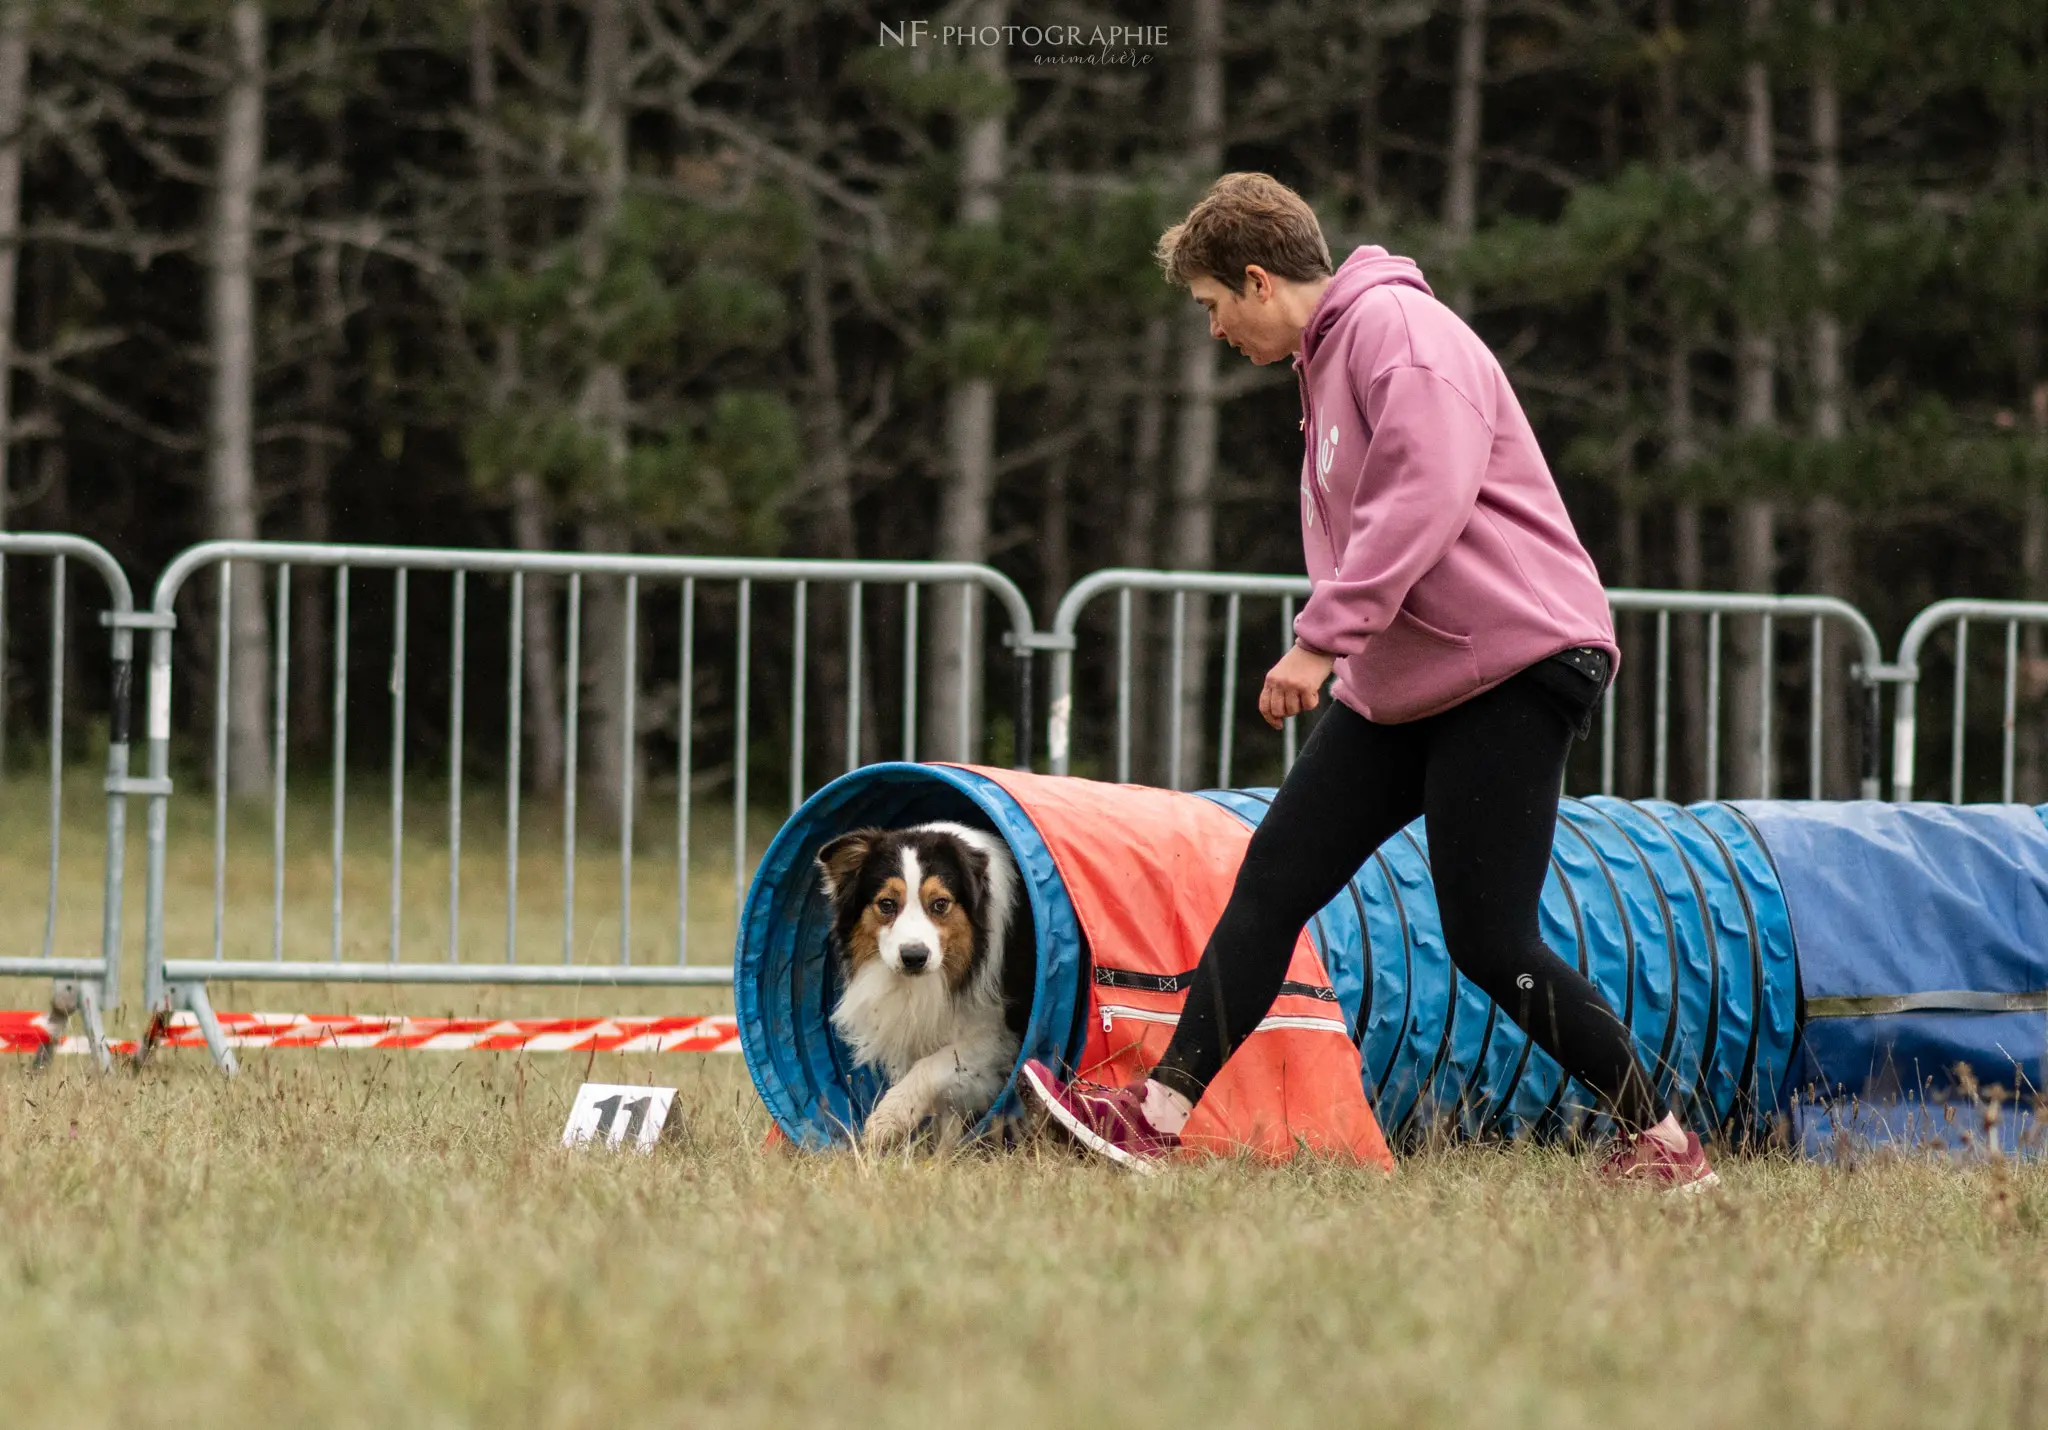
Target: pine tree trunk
(1637,713)
(2030,753)
(2030,762)
(1138,542)
(1831,536)
(14,54)
(312,651)
(831,475)
(2028,781)
(831,496)
(1192,547)
(1372,62)
(231,495)
(1055,513)
(1461,179)
(1690,712)
(13,112)
(1691,709)
(532,521)
(953,672)
(1055,543)
(602,410)
(1688,672)
(1756,411)
(1192,536)
(948,723)
(1635,687)
(53,484)
(312,648)
(541,648)
(1756,529)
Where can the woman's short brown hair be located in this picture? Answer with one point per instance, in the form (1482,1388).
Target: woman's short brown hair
(1245,218)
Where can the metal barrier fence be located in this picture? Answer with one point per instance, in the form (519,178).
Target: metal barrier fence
(173,981)
(1180,585)
(1772,615)
(704,630)
(1956,616)
(1813,615)
(83,985)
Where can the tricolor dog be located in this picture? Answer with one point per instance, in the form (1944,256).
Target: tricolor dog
(938,964)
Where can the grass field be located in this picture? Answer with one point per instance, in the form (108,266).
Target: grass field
(395,1240)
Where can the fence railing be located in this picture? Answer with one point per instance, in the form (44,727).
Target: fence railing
(725,664)
(1810,617)
(625,623)
(2020,668)
(1768,619)
(1285,591)
(83,984)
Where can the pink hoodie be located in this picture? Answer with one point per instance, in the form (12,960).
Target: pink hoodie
(1442,558)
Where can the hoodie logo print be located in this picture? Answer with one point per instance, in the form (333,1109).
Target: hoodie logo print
(1326,456)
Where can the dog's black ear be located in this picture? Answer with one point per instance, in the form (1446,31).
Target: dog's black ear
(977,876)
(840,860)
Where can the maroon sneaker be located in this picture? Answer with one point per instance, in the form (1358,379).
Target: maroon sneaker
(1641,1160)
(1108,1120)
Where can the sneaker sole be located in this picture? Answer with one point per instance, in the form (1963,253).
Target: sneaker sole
(1081,1133)
(1678,1189)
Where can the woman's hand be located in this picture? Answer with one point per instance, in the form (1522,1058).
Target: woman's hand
(1294,685)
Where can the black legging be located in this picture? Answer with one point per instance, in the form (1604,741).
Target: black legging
(1486,775)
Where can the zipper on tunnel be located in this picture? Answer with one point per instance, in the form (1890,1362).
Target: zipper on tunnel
(1113,1011)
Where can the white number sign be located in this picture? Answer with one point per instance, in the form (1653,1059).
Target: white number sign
(617,1113)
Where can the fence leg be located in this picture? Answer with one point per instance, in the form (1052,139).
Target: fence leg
(190,998)
(63,998)
(95,1026)
(72,998)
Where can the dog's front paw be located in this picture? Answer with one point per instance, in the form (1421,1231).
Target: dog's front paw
(894,1121)
(1017,1128)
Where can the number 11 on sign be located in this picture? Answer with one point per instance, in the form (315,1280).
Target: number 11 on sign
(616,1114)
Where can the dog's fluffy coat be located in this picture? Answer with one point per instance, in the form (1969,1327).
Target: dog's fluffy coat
(923,920)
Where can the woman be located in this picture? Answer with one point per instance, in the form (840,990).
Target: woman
(1470,638)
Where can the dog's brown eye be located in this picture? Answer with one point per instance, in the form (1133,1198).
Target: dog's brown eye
(939,907)
(886,908)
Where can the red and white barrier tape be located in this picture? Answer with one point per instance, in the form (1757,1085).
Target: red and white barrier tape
(26,1032)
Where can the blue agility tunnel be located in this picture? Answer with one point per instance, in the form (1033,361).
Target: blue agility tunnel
(1923,948)
(785,985)
(1772,959)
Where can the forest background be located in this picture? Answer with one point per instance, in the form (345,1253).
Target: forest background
(793,278)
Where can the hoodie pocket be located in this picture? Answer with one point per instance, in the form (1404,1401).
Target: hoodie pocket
(1411,668)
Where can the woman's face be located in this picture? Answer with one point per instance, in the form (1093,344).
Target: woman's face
(1250,321)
